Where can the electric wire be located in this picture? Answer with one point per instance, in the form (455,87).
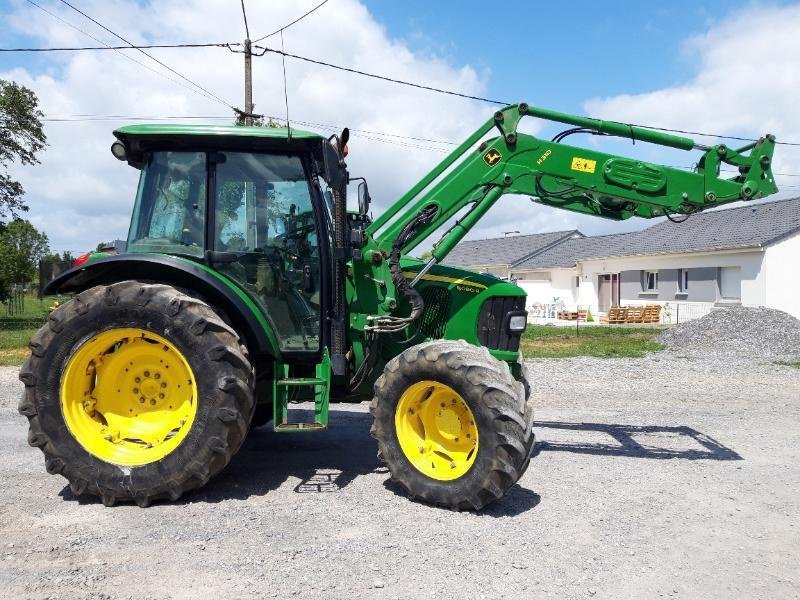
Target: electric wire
(108,47)
(265,50)
(150,56)
(297,20)
(244,15)
(117,50)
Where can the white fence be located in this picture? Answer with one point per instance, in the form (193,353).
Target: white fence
(672,313)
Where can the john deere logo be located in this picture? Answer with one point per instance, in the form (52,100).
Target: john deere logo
(492,157)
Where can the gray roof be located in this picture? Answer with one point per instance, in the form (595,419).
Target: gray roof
(507,250)
(748,226)
(566,253)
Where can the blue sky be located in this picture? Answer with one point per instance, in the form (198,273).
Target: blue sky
(714,66)
(559,53)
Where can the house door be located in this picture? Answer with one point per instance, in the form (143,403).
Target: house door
(608,291)
(604,292)
(615,289)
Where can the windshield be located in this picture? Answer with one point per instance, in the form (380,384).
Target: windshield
(169,214)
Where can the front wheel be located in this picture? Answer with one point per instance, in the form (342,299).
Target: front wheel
(136,392)
(452,424)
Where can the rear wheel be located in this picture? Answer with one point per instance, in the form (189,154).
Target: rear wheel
(136,392)
(452,424)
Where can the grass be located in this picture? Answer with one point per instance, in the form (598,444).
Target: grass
(788,363)
(14,346)
(16,330)
(547,341)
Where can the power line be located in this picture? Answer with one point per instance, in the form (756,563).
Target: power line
(715,135)
(363,133)
(151,57)
(298,19)
(266,50)
(130,58)
(128,47)
(244,15)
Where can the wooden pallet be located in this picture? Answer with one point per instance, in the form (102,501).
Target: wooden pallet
(622,315)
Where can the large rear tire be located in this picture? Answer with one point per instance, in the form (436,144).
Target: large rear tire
(136,392)
(452,424)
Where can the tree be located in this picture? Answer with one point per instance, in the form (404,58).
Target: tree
(21,248)
(21,138)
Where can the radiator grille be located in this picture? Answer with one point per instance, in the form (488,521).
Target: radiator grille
(437,310)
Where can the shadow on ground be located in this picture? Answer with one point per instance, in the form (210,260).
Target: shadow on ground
(654,441)
(323,461)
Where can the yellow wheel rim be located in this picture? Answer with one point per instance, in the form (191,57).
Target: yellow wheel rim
(436,430)
(128,396)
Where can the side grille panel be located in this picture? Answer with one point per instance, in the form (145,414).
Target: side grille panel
(493,323)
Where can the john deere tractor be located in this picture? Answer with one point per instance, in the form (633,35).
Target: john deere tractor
(248,285)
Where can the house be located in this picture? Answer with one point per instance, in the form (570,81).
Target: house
(746,255)
(498,255)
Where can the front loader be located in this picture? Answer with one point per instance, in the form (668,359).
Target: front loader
(248,285)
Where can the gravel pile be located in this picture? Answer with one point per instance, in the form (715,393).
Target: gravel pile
(759,333)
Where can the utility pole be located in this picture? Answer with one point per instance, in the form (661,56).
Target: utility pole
(248,83)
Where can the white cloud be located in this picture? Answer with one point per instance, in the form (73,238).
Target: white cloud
(745,84)
(80,195)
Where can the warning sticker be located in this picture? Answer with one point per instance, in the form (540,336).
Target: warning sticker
(585,165)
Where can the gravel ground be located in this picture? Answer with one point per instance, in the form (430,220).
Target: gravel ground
(739,331)
(655,477)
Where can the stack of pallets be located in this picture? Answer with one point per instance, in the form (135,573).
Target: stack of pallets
(621,315)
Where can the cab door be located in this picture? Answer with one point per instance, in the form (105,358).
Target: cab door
(265,225)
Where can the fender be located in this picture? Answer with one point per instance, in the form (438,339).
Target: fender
(246,318)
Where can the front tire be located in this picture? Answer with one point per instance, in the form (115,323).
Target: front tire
(136,392)
(452,424)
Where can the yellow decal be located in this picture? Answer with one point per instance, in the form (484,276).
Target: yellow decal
(583,164)
(492,157)
(443,279)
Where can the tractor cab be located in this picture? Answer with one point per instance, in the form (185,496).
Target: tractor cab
(255,208)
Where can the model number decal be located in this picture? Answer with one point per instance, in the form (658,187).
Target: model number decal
(544,156)
(585,165)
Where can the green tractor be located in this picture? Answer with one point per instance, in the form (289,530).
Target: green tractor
(248,284)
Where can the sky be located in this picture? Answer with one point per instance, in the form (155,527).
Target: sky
(723,67)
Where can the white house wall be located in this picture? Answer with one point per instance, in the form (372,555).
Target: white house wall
(560,285)
(751,263)
(782,282)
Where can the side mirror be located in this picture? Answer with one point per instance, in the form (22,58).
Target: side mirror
(363,198)
(333,172)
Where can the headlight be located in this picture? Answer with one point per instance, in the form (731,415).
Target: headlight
(119,151)
(518,323)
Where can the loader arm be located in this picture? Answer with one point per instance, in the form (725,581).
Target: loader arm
(571,178)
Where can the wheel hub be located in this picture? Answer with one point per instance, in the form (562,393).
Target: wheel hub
(128,396)
(436,430)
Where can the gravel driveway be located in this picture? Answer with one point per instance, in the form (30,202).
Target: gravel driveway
(654,477)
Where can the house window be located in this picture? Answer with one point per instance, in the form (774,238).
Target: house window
(578,281)
(683,281)
(649,281)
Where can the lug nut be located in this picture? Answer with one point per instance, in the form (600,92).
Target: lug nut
(157,376)
(135,390)
(161,396)
(138,379)
(147,373)
(153,402)
(163,384)
(141,400)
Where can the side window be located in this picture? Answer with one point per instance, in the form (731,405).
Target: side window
(169,215)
